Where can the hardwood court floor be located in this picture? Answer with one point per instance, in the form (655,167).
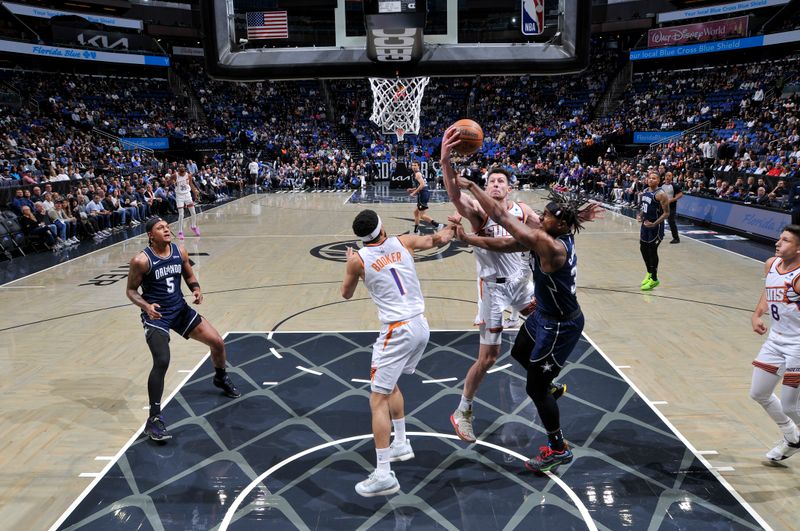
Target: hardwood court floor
(75,361)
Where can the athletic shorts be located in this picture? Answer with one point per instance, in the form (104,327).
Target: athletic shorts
(495,298)
(779,356)
(397,351)
(182,318)
(651,234)
(183,199)
(423,197)
(553,340)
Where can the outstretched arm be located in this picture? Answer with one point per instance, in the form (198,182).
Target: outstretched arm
(464,205)
(551,253)
(500,245)
(422,243)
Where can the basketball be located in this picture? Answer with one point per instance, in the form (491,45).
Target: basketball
(471,136)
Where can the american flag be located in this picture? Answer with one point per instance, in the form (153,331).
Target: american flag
(267,25)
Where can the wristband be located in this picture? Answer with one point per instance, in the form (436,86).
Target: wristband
(193,285)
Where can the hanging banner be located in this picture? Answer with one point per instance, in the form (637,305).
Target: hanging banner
(712,11)
(727,45)
(74,54)
(705,31)
(43,12)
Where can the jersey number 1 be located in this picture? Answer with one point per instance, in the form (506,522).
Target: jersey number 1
(397,281)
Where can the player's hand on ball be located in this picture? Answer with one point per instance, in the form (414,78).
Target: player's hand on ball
(450,139)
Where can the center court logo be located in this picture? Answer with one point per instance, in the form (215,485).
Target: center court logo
(337,251)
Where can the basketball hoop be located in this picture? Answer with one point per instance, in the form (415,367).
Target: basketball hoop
(396,103)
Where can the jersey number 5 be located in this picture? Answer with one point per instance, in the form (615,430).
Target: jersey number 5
(170,284)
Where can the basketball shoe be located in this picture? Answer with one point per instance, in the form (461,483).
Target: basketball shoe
(783,450)
(156,429)
(549,459)
(400,451)
(226,384)
(462,422)
(180,235)
(647,279)
(378,486)
(196,231)
(650,285)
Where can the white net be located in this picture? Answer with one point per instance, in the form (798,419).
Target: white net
(396,103)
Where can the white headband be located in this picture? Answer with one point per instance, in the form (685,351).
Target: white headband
(374,234)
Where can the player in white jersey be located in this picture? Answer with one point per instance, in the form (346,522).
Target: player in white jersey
(386,264)
(184,186)
(501,276)
(779,357)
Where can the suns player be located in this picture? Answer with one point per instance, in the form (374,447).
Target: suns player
(655,209)
(386,264)
(501,276)
(779,357)
(158,270)
(423,195)
(184,186)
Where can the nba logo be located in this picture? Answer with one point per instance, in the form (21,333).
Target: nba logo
(532,17)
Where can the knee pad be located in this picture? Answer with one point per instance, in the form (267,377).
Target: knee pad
(158,341)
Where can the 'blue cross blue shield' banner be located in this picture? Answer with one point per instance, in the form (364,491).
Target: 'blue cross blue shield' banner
(532,17)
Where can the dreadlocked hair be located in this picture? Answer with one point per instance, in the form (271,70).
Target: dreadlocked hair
(569,208)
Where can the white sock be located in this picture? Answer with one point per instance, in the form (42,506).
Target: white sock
(465,404)
(180,219)
(399,429)
(193,212)
(384,465)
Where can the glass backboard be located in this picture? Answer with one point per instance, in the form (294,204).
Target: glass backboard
(327,39)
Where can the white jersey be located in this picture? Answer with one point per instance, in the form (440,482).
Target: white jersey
(182,186)
(492,264)
(783,303)
(391,279)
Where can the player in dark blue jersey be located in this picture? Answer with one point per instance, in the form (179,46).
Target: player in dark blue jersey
(158,270)
(655,209)
(423,195)
(549,335)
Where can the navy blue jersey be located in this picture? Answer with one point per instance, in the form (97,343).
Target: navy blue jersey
(555,292)
(651,211)
(162,282)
